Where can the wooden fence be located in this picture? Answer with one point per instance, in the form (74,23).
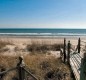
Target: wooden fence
(23,73)
(72,55)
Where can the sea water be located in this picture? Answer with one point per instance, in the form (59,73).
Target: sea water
(42,32)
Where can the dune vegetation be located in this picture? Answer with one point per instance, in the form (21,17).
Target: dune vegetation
(37,60)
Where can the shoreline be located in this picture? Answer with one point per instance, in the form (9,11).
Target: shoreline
(42,37)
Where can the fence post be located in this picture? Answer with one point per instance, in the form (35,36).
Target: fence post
(79,42)
(83,68)
(20,69)
(68,56)
(64,50)
(21,77)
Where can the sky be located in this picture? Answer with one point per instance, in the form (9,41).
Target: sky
(43,14)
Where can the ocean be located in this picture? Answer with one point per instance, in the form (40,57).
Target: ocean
(42,32)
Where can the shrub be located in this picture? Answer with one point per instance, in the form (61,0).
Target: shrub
(43,48)
(57,47)
(4,49)
(4,43)
(37,48)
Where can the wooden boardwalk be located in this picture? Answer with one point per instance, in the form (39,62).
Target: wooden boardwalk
(75,59)
(75,63)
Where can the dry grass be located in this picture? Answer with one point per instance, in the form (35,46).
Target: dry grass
(7,62)
(40,65)
(4,43)
(43,48)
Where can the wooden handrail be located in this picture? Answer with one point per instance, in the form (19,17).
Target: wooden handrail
(4,72)
(30,74)
(21,70)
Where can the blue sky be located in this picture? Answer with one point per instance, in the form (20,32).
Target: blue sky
(42,13)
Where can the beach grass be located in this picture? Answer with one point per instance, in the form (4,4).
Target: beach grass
(38,64)
(43,48)
(4,43)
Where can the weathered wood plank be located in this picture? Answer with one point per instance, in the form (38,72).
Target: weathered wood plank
(75,63)
(76,74)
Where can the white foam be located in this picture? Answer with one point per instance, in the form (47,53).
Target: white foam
(43,34)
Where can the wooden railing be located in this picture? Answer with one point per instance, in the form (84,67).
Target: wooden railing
(22,71)
(72,55)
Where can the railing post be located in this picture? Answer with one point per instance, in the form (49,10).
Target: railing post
(79,42)
(20,69)
(64,50)
(68,54)
(21,73)
(83,68)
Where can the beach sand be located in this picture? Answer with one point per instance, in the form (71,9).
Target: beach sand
(19,43)
(16,46)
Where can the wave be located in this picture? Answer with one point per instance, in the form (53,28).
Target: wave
(43,34)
